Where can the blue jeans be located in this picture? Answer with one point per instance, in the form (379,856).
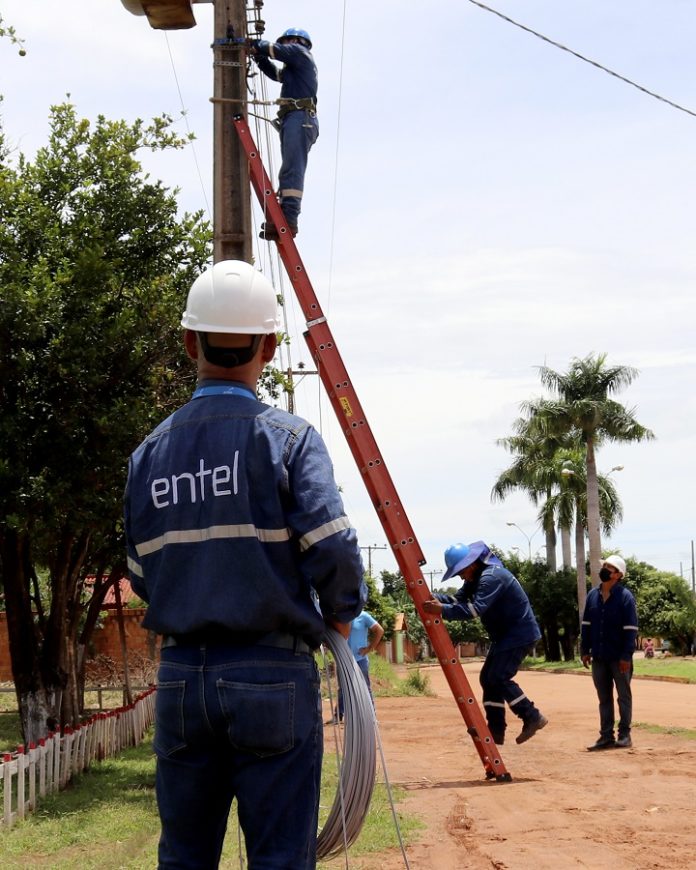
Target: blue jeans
(240,723)
(605,676)
(498,686)
(298,132)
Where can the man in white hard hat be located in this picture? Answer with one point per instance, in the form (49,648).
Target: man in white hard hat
(608,640)
(238,541)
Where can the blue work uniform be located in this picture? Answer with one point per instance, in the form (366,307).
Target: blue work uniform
(497,598)
(299,127)
(609,631)
(238,541)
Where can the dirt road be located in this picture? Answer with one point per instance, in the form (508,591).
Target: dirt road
(566,807)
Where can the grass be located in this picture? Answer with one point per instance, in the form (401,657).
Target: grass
(672,667)
(108,819)
(684,733)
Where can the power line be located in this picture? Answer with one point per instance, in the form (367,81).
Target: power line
(188,128)
(585,59)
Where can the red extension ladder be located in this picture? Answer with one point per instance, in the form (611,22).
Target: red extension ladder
(373,469)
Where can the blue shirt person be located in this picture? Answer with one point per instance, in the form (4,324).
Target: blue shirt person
(608,641)
(365,635)
(297,116)
(493,594)
(238,541)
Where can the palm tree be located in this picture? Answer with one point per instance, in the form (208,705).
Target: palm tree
(533,471)
(582,407)
(569,505)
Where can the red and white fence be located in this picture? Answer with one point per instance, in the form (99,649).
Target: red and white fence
(29,774)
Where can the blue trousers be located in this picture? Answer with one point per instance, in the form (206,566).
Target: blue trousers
(605,676)
(499,688)
(298,132)
(240,723)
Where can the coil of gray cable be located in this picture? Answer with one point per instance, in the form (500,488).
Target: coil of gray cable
(356,781)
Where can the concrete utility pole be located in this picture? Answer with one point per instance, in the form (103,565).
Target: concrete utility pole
(231,192)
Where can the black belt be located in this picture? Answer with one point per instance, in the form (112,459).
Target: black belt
(275,639)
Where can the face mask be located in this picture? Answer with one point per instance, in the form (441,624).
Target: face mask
(605,575)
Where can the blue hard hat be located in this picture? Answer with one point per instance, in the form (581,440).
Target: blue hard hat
(460,556)
(298,34)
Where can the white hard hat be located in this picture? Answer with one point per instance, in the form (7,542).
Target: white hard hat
(231,296)
(616,562)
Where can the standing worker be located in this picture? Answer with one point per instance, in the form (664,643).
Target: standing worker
(365,635)
(238,541)
(608,639)
(493,594)
(297,116)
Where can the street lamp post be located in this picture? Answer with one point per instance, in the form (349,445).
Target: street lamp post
(528,537)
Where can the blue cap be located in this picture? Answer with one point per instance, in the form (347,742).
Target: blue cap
(460,556)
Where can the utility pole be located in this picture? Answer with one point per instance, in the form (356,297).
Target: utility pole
(431,574)
(231,196)
(369,549)
(231,191)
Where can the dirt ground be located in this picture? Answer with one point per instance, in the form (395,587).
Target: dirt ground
(565,807)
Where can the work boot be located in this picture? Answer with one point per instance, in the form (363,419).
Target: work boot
(603,743)
(624,742)
(530,728)
(270,233)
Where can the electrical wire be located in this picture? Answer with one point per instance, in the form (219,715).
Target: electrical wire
(585,59)
(356,781)
(188,127)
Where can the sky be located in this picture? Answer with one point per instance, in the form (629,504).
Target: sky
(479,203)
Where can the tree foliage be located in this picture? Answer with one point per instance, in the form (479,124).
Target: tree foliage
(582,407)
(665,603)
(95,264)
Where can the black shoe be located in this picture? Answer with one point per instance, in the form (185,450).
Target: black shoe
(624,742)
(531,727)
(270,233)
(498,737)
(602,743)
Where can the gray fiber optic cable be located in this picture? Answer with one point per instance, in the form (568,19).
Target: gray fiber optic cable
(356,780)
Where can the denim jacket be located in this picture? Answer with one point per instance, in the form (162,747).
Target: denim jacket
(502,605)
(233,520)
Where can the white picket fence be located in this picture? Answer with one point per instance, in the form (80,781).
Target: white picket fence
(29,774)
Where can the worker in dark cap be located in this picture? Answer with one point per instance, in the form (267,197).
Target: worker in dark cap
(297,116)
(493,594)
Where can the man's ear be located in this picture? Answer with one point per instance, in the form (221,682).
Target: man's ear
(269,345)
(191,344)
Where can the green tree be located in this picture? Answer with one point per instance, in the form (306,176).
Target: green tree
(533,472)
(380,607)
(553,599)
(665,604)
(394,590)
(582,407)
(95,264)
